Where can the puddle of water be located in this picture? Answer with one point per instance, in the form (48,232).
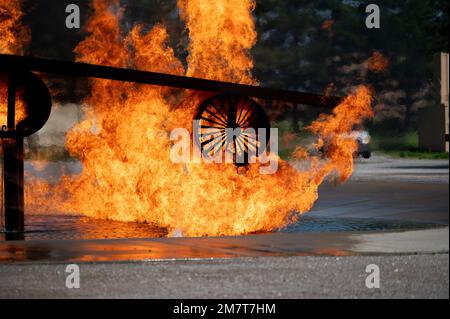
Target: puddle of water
(323,224)
(60,227)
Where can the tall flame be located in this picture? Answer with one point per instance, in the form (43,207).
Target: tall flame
(222,34)
(14,37)
(124,141)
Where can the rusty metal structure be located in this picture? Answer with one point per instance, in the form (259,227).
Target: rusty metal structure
(232,107)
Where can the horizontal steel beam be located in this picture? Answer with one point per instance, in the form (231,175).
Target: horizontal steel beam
(16,63)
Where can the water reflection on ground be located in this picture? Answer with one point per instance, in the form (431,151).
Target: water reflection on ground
(328,224)
(60,238)
(63,227)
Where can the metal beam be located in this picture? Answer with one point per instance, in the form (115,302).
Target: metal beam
(13,170)
(15,63)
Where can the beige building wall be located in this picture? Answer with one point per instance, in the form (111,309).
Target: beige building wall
(434,120)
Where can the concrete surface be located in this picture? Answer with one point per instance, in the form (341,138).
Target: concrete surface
(424,276)
(385,168)
(422,241)
(381,188)
(390,188)
(390,200)
(278,244)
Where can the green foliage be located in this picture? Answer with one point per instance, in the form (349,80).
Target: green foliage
(295,52)
(418,155)
(388,141)
(404,145)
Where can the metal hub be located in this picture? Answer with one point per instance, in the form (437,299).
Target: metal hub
(231,124)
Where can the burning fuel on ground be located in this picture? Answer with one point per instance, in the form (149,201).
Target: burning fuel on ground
(124,140)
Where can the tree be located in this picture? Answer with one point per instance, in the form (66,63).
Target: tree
(307,45)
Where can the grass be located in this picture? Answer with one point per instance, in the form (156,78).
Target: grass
(390,141)
(403,145)
(418,154)
(288,140)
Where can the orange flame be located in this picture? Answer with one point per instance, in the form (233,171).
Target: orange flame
(14,37)
(377,63)
(20,113)
(222,34)
(328,26)
(124,142)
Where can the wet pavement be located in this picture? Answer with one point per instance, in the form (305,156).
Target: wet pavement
(388,200)
(73,227)
(391,214)
(367,204)
(280,244)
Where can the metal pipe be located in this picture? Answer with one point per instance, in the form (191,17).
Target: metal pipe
(13,170)
(14,63)
(11,118)
(13,178)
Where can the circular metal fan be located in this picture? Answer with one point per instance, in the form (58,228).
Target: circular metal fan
(231,125)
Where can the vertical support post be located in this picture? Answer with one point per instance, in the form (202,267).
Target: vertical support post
(13,170)
(12,88)
(13,185)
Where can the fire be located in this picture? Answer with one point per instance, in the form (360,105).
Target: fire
(328,26)
(124,143)
(14,39)
(14,36)
(333,130)
(222,34)
(20,113)
(377,63)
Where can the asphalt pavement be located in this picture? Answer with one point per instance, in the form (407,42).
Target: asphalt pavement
(413,264)
(413,276)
